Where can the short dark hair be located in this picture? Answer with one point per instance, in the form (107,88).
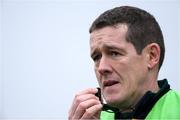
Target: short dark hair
(143,28)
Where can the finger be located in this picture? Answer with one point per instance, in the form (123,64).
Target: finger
(82,96)
(80,99)
(83,106)
(93,112)
(88,91)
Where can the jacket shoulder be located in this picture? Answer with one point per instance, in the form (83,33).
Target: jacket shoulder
(167,107)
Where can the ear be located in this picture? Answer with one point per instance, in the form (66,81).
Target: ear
(153,53)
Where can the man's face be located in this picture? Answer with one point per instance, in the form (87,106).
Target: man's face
(120,71)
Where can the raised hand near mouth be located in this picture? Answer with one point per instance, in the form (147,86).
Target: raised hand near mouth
(85,105)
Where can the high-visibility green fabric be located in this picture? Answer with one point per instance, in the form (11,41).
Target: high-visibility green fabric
(107,115)
(167,107)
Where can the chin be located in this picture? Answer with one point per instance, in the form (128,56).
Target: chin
(115,101)
(112,101)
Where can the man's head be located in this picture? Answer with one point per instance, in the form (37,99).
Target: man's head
(143,29)
(126,46)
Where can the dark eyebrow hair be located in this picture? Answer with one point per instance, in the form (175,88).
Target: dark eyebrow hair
(113,47)
(108,47)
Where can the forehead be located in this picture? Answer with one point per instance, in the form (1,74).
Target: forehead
(108,35)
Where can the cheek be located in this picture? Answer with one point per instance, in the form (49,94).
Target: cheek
(98,77)
(136,76)
(126,73)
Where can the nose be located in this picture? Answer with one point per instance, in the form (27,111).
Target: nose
(104,66)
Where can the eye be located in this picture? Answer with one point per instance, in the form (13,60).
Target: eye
(96,57)
(114,53)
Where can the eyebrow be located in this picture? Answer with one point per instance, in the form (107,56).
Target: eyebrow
(108,47)
(112,47)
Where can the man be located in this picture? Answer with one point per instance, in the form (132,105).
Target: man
(127,48)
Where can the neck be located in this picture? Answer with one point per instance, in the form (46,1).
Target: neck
(151,86)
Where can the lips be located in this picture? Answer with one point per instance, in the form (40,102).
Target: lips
(108,83)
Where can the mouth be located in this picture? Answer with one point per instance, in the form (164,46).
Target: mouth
(109,83)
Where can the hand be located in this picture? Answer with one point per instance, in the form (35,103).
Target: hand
(85,105)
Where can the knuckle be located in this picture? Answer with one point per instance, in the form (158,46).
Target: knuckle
(76,96)
(96,101)
(88,112)
(91,89)
(78,99)
(99,106)
(82,106)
